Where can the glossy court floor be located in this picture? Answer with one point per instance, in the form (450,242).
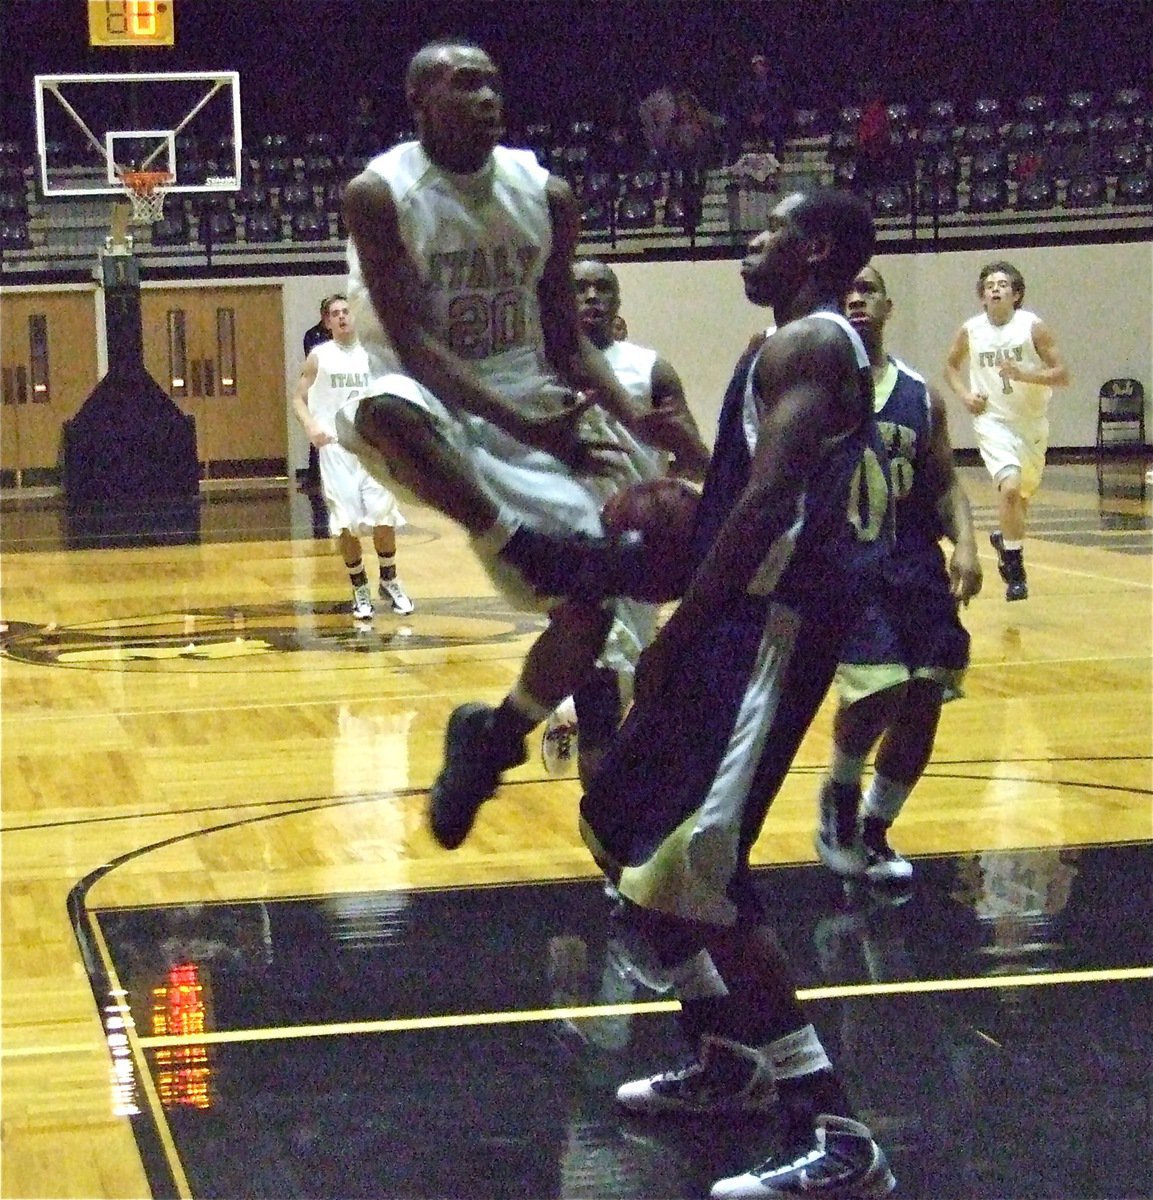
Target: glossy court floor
(458,1030)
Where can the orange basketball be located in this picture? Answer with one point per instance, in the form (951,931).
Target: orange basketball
(665,512)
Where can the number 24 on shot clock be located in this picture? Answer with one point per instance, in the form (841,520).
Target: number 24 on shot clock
(131,23)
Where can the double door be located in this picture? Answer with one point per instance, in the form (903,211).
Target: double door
(48,369)
(219,353)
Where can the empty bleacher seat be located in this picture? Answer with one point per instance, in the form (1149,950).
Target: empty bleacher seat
(263,227)
(1034,106)
(172,229)
(276,171)
(891,200)
(253,198)
(1085,191)
(310,225)
(807,123)
(1128,156)
(987,110)
(1023,134)
(991,163)
(988,195)
(297,197)
(14,234)
(980,136)
(218,227)
(597,215)
(937,197)
(1036,193)
(1116,127)
(13,202)
(1134,187)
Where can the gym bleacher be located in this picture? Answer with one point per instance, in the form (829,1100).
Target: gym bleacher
(1042,167)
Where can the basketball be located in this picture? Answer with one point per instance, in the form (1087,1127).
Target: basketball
(665,512)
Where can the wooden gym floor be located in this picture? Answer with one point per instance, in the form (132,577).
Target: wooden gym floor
(235,964)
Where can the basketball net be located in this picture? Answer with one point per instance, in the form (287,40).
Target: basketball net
(146,191)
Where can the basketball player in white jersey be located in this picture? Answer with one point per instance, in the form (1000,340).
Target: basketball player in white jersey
(460,258)
(358,505)
(1004,364)
(582,725)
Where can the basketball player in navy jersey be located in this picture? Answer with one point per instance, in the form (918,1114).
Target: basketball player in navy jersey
(793,530)
(910,650)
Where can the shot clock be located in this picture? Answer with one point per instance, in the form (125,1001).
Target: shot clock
(134,23)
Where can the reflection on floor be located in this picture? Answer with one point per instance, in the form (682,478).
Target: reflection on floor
(994,1027)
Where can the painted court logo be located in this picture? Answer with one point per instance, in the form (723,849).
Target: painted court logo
(230,638)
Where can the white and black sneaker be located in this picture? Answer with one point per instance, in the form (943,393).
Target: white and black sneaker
(882,863)
(843,1162)
(726,1077)
(997,541)
(362,609)
(838,838)
(393,591)
(558,744)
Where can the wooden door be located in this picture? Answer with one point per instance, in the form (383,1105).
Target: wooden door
(47,370)
(219,353)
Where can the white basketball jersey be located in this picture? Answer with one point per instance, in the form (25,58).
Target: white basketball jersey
(989,346)
(342,374)
(633,367)
(479,243)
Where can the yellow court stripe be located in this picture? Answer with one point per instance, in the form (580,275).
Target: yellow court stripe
(593,1011)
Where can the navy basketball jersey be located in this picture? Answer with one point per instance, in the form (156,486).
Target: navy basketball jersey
(843,524)
(905,421)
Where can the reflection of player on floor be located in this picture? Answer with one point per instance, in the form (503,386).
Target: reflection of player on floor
(358,505)
(596,709)
(461,257)
(1004,364)
(793,529)
(909,652)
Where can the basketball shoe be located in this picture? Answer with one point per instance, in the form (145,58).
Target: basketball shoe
(838,839)
(393,591)
(362,608)
(474,761)
(841,1162)
(882,863)
(558,744)
(1011,567)
(725,1077)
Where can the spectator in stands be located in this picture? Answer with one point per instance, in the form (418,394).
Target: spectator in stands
(656,113)
(694,141)
(364,137)
(762,111)
(875,160)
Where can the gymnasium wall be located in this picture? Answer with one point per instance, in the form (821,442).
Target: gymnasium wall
(1098,301)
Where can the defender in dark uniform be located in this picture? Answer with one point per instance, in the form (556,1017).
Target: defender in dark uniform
(794,527)
(909,652)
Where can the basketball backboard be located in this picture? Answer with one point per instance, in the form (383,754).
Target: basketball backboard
(91,127)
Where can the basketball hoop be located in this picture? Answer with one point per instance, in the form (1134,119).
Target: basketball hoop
(146,190)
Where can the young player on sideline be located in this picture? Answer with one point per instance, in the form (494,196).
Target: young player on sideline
(335,371)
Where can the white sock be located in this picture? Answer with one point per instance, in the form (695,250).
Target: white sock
(885,798)
(797,1054)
